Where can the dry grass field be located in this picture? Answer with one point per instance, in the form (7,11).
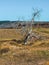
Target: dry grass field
(9,34)
(15,53)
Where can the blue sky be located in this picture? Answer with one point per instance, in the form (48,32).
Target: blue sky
(22,9)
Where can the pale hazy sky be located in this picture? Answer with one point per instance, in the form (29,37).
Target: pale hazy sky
(14,9)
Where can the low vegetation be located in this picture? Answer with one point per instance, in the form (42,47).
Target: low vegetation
(14,52)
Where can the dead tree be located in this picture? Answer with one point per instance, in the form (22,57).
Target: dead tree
(34,15)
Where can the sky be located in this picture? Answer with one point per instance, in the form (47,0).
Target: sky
(22,9)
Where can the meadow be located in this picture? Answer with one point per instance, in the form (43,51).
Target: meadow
(13,51)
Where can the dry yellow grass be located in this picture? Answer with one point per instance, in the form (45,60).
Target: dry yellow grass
(19,54)
(9,34)
(47,63)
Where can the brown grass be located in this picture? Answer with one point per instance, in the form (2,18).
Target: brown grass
(10,34)
(14,53)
